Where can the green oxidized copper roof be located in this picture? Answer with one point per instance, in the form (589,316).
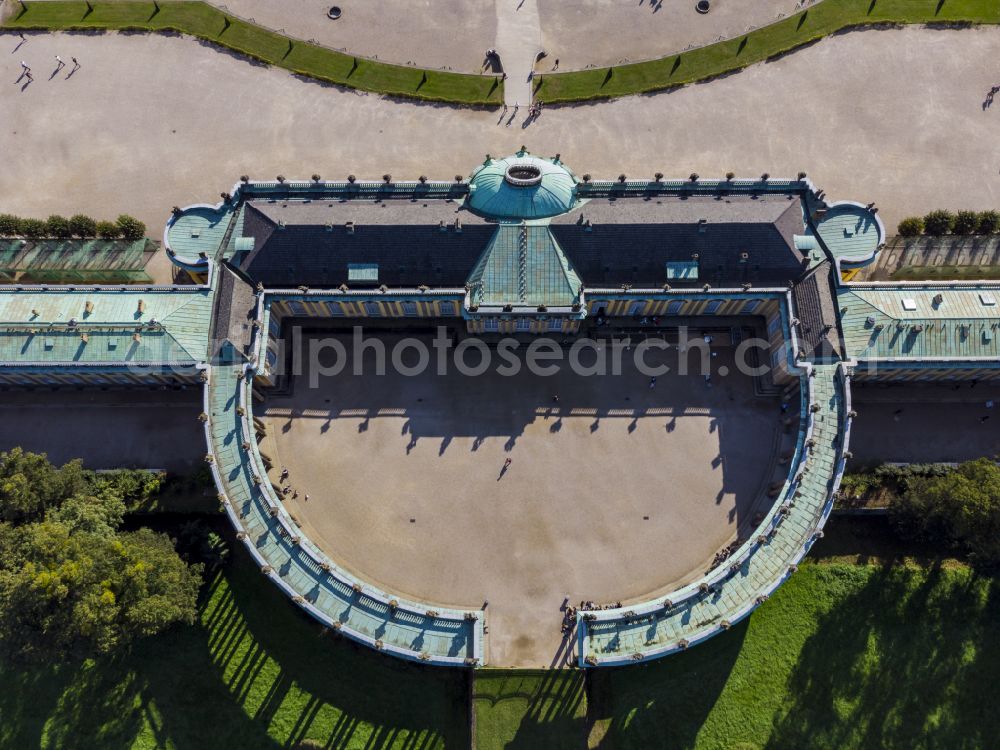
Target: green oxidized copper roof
(522,187)
(77,260)
(908,322)
(523,265)
(173,326)
(661,629)
(199,229)
(851,232)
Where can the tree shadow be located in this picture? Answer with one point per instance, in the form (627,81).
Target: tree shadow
(662,703)
(254,673)
(551,705)
(72,705)
(906,661)
(280,678)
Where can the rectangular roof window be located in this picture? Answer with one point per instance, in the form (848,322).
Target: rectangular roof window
(362,272)
(909,305)
(686,269)
(987,299)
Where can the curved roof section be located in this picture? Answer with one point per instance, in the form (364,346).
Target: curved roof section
(733,589)
(522,187)
(197,229)
(851,232)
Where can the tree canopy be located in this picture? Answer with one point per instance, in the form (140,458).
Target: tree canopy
(72,583)
(962,507)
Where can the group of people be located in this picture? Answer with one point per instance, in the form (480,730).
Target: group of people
(287,489)
(60,64)
(569,613)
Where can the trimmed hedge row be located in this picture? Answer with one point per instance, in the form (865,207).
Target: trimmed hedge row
(766,43)
(199,19)
(57,227)
(942,222)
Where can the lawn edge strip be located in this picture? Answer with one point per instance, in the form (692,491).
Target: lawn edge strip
(764,44)
(206,22)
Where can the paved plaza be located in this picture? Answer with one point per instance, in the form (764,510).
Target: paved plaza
(143,429)
(150,121)
(924,423)
(613,492)
(454,34)
(429,33)
(594,33)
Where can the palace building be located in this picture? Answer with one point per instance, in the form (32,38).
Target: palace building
(522,247)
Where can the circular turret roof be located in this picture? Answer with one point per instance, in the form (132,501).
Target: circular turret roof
(522,187)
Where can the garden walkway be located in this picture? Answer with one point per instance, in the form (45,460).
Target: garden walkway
(519,40)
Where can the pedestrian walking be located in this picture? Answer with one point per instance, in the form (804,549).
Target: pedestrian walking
(76,65)
(507,462)
(652,382)
(59,63)
(24,66)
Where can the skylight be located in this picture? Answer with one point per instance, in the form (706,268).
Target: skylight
(685,269)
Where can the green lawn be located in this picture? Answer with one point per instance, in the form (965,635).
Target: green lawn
(254,673)
(208,22)
(843,656)
(529,708)
(827,17)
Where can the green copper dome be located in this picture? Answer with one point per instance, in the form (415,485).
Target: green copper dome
(521,187)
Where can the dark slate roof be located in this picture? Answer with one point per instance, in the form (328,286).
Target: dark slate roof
(235,302)
(630,240)
(817,314)
(403,237)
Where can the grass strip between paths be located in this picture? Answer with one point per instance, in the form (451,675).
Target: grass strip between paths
(207,22)
(805,27)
